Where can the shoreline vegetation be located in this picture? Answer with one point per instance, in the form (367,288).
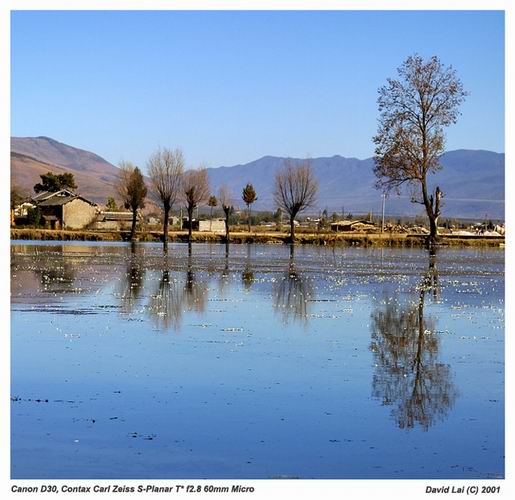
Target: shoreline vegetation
(273,237)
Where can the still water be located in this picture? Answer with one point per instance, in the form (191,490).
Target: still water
(256,362)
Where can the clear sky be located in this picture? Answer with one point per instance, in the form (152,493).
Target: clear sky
(230,87)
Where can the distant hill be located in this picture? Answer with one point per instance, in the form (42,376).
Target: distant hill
(472,180)
(32,156)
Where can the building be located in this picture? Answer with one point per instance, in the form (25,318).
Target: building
(214,225)
(65,210)
(115,221)
(22,210)
(352,225)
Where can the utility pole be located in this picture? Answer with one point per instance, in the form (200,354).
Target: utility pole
(382,219)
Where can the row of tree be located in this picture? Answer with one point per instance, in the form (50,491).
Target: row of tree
(414,108)
(170,184)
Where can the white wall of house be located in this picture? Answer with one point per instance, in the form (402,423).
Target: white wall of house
(217,226)
(77,214)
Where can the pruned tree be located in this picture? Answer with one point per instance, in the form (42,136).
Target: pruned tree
(414,110)
(195,191)
(55,182)
(132,190)
(166,169)
(225,198)
(249,197)
(295,190)
(212,202)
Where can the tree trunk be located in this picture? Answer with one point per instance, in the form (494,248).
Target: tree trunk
(133,228)
(292,229)
(165,224)
(190,221)
(432,205)
(249,217)
(433,231)
(227,225)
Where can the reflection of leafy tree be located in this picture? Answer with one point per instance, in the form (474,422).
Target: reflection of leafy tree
(195,292)
(224,277)
(132,281)
(247,275)
(56,274)
(292,293)
(408,374)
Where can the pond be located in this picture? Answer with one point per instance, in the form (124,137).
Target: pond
(255,361)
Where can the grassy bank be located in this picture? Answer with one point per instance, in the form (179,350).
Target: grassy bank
(329,239)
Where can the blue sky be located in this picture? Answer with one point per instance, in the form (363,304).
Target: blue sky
(230,87)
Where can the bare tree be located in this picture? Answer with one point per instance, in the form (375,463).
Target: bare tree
(249,197)
(225,199)
(414,110)
(295,189)
(195,191)
(165,168)
(132,190)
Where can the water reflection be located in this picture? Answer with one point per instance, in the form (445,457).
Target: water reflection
(224,276)
(195,290)
(292,293)
(408,374)
(247,275)
(165,304)
(58,277)
(131,282)
(172,296)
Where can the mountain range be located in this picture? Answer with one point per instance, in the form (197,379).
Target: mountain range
(472,180)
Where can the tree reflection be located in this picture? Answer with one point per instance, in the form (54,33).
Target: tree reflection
(408,374)
(293,293)
(224,277)
(195,291)
(57,275)
(131,283)
(165,305)
(247,275)
(173,296)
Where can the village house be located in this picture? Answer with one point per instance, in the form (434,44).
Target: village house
(22,210)
(65,210)
(115,221)
(352,225)
(214,225)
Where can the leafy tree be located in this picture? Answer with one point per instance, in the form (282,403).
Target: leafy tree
(53,183)
(195,190)
(414,111)
(17,196)
(111,204)
(132,190)
(226,202)
(249,197)
(34,216)
(211,203)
